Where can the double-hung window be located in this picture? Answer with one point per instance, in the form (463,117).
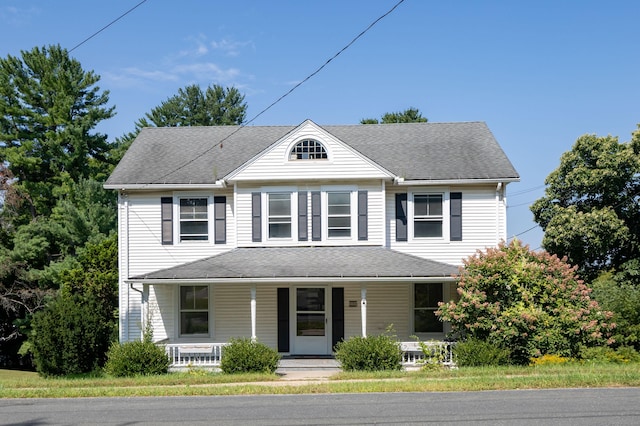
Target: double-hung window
(194,219)
(279,215)
(339,214)
(427,215)
(194,310)
(425,303)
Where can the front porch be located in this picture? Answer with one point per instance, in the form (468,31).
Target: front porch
(208,356)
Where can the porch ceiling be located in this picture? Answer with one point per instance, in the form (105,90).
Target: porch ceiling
(306,263)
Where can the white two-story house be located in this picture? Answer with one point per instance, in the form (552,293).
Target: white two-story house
(301,236)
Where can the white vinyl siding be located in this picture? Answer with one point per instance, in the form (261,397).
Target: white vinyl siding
(482,224)
(375,215)
(144,252)
(275,164)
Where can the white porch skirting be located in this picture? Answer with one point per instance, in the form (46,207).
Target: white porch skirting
(209,355)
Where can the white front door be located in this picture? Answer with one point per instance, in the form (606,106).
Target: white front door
(310,325)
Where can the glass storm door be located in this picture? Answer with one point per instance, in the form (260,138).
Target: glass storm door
(311,332)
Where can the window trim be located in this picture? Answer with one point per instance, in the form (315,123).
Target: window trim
(414,308)
(210,317)
(297,142)
(353,211)
(411,216)
(177,196)
(269,216)
(264,212)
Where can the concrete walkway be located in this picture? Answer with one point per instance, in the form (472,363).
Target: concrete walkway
(307,369)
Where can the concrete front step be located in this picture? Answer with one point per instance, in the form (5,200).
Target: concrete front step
(308,364)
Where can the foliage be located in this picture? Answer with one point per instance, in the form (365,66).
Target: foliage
(603,354)
(48,108)
(51,161)
(136,358)
(409,115)
(69,337)
(371,353)
(529,302)
(216,106)
(474,352)
(550,359)
(590,211)
(243,355)
(620,293)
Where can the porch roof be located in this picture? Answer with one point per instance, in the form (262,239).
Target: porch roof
(287,263)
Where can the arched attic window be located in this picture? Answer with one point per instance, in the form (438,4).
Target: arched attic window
(308,149)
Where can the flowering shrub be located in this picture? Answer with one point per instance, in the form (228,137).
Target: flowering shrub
(550,359)
(530,302)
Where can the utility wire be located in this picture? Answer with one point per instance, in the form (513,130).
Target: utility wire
(283,96)
(106,26)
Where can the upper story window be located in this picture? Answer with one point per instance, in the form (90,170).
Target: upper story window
(308,149)
(427,215)
(194,219)
(423,215)
(279,215)
(339,214)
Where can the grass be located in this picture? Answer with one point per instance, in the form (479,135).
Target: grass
(19,384)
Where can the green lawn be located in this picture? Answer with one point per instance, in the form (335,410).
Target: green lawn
(18,384)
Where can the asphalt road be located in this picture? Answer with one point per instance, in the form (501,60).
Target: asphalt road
(620,406)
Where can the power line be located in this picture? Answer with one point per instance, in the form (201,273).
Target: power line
(106,26)
(524,191)
(285,95)
(524,232)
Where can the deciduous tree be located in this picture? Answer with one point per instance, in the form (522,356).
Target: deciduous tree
(590,211)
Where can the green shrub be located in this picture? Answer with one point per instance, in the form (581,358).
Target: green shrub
(474,352)
(243,355)
(137,358)
(604,355)
(371,353)
(71,336)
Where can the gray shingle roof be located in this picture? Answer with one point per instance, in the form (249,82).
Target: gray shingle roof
(307,262)
(430,151)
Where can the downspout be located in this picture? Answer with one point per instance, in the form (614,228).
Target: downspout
(498,213)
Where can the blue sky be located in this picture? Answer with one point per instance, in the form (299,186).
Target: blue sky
(539,73)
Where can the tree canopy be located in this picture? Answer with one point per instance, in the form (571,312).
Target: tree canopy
(590,211)
(191,106)
(409,115)
(49,107)
(51,161)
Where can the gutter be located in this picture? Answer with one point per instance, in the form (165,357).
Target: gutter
(402,182)
(279,280)
(219,184)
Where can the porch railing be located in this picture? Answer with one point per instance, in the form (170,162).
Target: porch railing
(435,352)
(208,355)
(203,355)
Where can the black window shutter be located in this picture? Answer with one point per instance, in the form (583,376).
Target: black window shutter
(283,320)
(337,314)
(455,202)
(166,207)
(401,217)
(220,219)
(316,211)
(303,232)
(256,216)
(362,216)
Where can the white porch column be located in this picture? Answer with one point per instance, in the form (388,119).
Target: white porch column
(253,312)
(363,309)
